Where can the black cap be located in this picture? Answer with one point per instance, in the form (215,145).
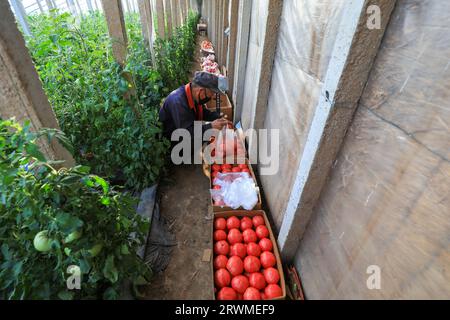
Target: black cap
(218,84)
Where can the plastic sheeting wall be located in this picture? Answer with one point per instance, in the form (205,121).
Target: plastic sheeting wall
(387,202)
(254,59)
(307,35)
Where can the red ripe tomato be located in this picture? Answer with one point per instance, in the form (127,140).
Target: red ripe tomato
(236,169)
(245,170)
(262,232)
(271,275)
(233,223)
(216,167)
(268,259)
(239,250)
(226,166)
(226,170)
(220,262)
(258,221)
(243,166)
(252,264)
(234,236)
(235,265)
(257,280)
(273,291)
(220,235)
(227,294)
(240,283)
(217,187)
(249,236)
(222,278)
(215,174)
(221,247)
(263,295)
(253,249)
(246,223)
(252,294)
(219,203)
(265,244)
(220,224)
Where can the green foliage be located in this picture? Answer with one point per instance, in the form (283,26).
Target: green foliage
(35,197)
(109,113)
(174,55)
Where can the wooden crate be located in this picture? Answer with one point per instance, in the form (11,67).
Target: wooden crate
(225,106)
(207,172)
(252,213)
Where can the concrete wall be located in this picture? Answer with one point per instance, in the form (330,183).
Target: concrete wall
(387,200)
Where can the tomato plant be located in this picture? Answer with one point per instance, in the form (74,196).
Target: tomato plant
(109,112)
(51,219)
(174,55)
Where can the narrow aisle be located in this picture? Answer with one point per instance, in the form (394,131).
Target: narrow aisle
(184,203)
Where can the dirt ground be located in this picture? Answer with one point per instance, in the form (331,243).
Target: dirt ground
(185,205)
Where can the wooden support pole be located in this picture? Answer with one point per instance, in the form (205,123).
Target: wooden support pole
(168,13)
(231,50)
(21,92)
(215,24)
(219,28)
(89,4)
(225,25)
(160,21)
(150,29)
(348,70)
(117,30)
(175,13)
(41,9)
(182,11)
(268,55)
(245,7)
(143,19)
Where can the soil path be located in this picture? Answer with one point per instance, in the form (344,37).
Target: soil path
(185,205)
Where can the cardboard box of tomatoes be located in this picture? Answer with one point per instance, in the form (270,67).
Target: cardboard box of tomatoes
(224,168)
(246,264)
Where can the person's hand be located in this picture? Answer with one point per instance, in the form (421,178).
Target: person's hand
(220,123)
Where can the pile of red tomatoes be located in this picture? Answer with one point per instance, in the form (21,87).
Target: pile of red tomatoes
(245,267)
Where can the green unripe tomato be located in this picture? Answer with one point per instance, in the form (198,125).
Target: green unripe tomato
(67,251)
(41,242)
(73,236)
(124,249)
(95,250)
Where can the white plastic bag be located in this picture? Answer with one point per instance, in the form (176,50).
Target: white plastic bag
(236,190)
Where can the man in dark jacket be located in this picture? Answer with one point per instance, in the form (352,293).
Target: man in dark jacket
(187,104)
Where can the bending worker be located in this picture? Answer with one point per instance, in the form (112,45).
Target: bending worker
(187,104)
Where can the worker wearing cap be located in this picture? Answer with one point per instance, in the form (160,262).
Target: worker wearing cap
(187,104)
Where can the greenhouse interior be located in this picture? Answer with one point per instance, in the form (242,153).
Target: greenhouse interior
(274,150)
